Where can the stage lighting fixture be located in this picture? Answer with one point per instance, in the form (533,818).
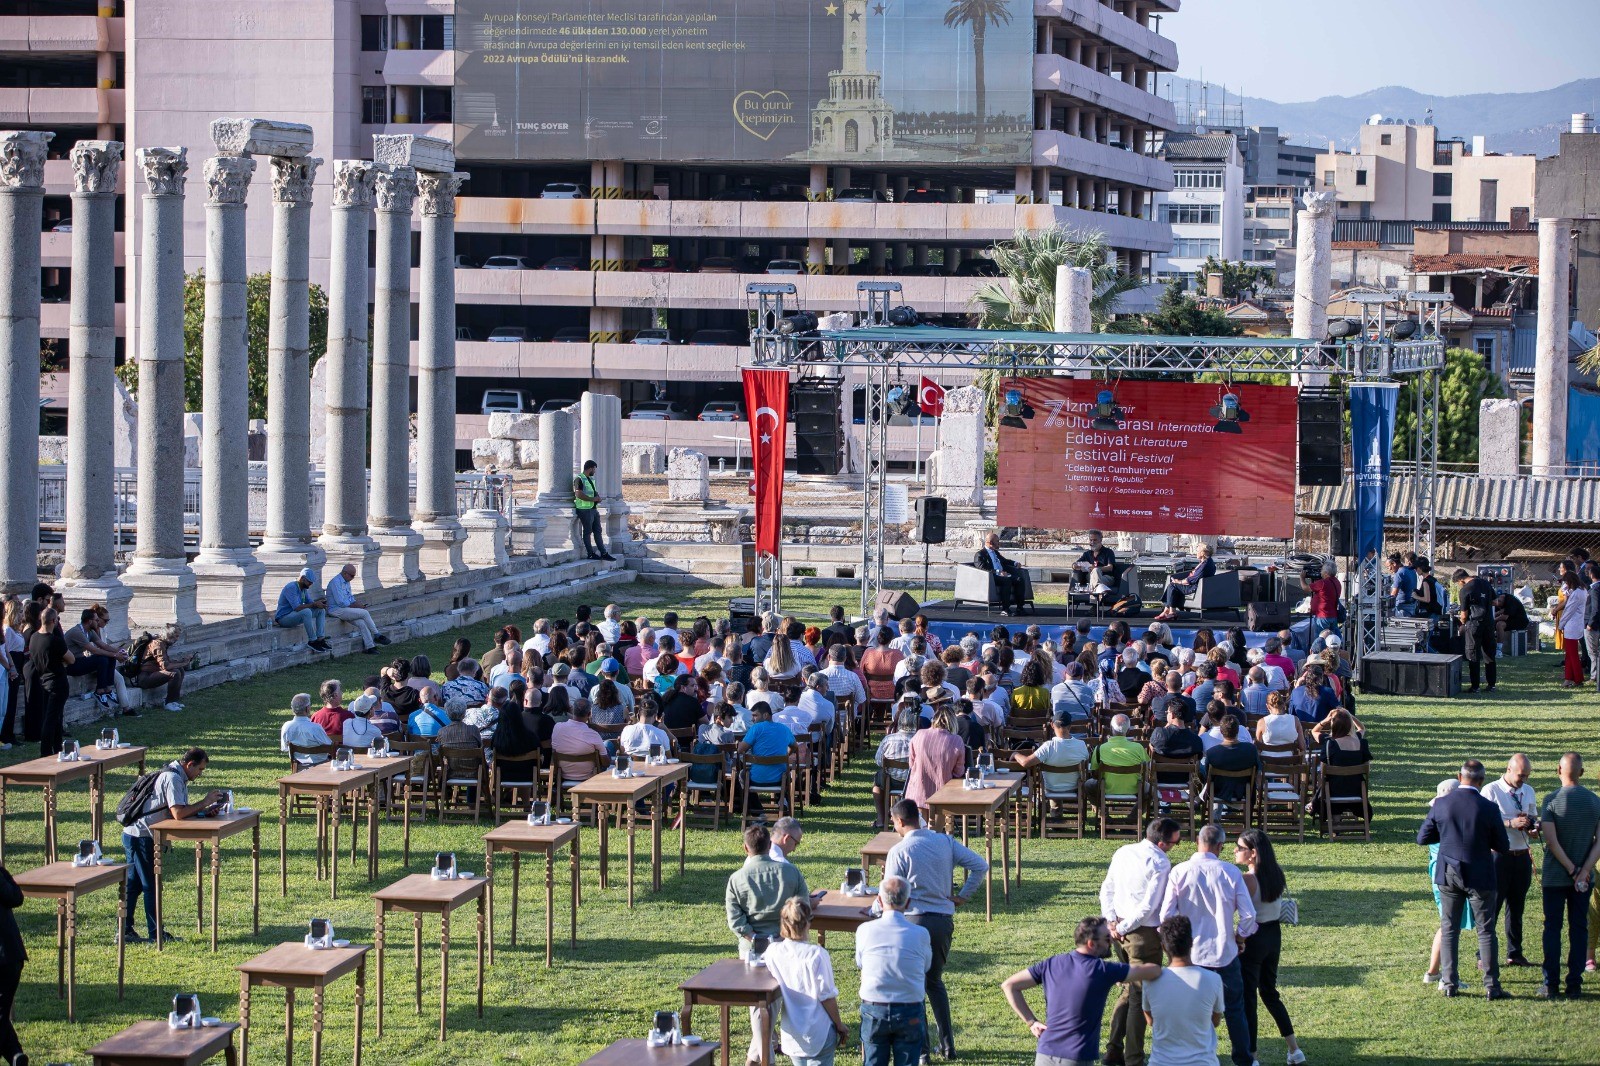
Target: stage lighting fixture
(798,322)
(1015,410)
(1404,329)
(901,400)
(904,316)
(1342,328)
(1107,415)
(1228,414)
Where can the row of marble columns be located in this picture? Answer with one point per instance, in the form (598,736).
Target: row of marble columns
(379,534)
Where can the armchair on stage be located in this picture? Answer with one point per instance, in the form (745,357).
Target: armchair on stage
(1222,591)
(976,585)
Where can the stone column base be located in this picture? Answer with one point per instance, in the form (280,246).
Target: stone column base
(228,584)
(398,556)
(442,542)
(561,531)
(82,593)
(618,540)
(284,560)
(527,532)
(360,552)
(485,543)
(163,592)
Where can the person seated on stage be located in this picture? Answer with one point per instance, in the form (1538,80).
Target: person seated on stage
(1117,765)
(1172,697)
(1072,696)
(1156,687)
(1097,566)
(1008,580)
(1177,592)
(1279,726)
(1256,690)
(1131,674)
(1031,698)
(1272,674)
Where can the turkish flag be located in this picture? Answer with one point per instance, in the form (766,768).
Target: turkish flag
(766,397)
(930,397)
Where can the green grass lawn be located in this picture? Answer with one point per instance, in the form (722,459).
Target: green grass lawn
(1351,972)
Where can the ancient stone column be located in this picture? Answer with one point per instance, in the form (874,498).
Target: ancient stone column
(436,378)
(1074,291)
(288,546)
(1551,362)
(21,218)
(554,501)
(1313,265)
(89,571)
(389,511)
(227,570)
(159,575)
(344,527)
(958,470)
(600,420)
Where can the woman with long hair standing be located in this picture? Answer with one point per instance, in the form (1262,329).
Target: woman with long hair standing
(32,690)
(48,654)
(1570,625)
(12,653)
(1258,962)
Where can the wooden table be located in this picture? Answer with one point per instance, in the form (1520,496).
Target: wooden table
(50,773)
(875,852)
(291,966)
(640,1053)
(214,831)
(421,894)
(151,1043)
(328,787)
(606,792)
(732,983)
(65,883)
(518,837)
(387,768)
(836,912)
(954,801)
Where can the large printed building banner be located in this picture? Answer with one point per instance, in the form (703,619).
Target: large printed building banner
(1372,416)
(1148,456)
(761,80)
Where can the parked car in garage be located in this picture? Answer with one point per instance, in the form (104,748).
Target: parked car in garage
(503,401)
(715,336)
(786,266)
(659,411)
(657,265)
(719,264)
(555,405)
(564,190)
(654,336)
(860,195)
(506,262)
(571,335)
(508,334)
(723,411)
(565,262)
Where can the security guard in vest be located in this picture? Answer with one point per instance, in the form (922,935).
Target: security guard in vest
(586,501)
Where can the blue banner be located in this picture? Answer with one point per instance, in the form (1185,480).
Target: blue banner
(1583,428)
(1372,410)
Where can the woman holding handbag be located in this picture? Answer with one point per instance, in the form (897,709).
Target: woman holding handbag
(1258,962)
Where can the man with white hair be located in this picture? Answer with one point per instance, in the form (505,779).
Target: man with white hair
(610,626)
(301,731)
(893,956)
(343,605)
(540,640)
(1274,672)
(843,681)
(786,834)
(1212,894)
(1117,765)
(468,683)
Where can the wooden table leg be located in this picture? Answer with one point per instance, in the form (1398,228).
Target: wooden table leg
(516,892)
(1005,855)
(72,958)
(686,1016)
(601,818)
(988,877)
(377,944)
(416,957)
(316,1026)
(61,947)
(97,799)
(488,890)
(355,820)
(683,823)
(216,886)
(50,823)
(244,1019)
(372,832)
(255,878)
(657,813)
(199,890)
(122,941)
(483,901)
(633,829)
(549,907)
(159,890)
(444,969)
(288,1026)
(333,849)
(283,842)
(322,833)
(361,1002)
(576,890)
(727,1039)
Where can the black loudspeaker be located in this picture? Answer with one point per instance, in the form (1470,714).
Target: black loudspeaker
(1398,673)
(1342,533)
(740,611)
(1321,438)
(898,604)
(1267,616)
(818,435)
(930,519)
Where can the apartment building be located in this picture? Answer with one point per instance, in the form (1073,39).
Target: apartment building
(606,241)
(1206,205)
(1569,187)
(1404,170)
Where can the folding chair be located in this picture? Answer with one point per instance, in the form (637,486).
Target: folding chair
(464,778)
(1231,814)
(562,778)
(523,783)
(1066,809)
(892,788)
(781,791)
(1122,814)
(1333,826)
(1188,792)
(1285,790)
(702,792)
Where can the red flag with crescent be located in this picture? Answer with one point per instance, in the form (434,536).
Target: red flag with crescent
(766,397)
(930,397)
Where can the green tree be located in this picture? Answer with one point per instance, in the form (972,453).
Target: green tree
(258,292)
(1464,381)
(978,14)
(1178,314)
(1238,279)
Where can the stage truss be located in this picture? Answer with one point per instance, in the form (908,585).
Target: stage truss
(878,354)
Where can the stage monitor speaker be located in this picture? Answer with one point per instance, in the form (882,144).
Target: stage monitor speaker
(815,400)
(898,604)
(1398,673)
(1342,533)
(818,444)
(740,611)
(931,512)
(1321,438)
(1267,616)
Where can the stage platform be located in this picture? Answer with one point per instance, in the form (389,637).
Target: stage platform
(950,621)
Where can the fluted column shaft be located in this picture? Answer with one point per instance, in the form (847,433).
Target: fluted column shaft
(389,510)
(436,378)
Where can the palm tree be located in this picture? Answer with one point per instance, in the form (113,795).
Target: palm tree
(979,14)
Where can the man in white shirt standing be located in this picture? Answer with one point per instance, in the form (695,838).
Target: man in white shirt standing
(1519,810)
(1130,899)
(1212,895)
(1183,1004)
(343,605)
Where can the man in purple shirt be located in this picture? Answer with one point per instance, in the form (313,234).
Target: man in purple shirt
(1076,984)
(1212,895)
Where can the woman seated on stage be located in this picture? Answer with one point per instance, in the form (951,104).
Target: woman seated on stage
(1178,591)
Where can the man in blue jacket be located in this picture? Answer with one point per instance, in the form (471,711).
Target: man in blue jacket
(298,607)
(1468,829)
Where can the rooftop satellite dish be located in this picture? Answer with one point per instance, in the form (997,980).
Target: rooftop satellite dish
(1375,120)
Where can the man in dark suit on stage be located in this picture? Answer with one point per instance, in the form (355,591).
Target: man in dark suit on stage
(1468,830)
(1008,577)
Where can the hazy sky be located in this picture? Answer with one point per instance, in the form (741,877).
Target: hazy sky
(1295,50)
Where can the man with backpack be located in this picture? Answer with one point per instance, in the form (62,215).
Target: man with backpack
(156,797)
